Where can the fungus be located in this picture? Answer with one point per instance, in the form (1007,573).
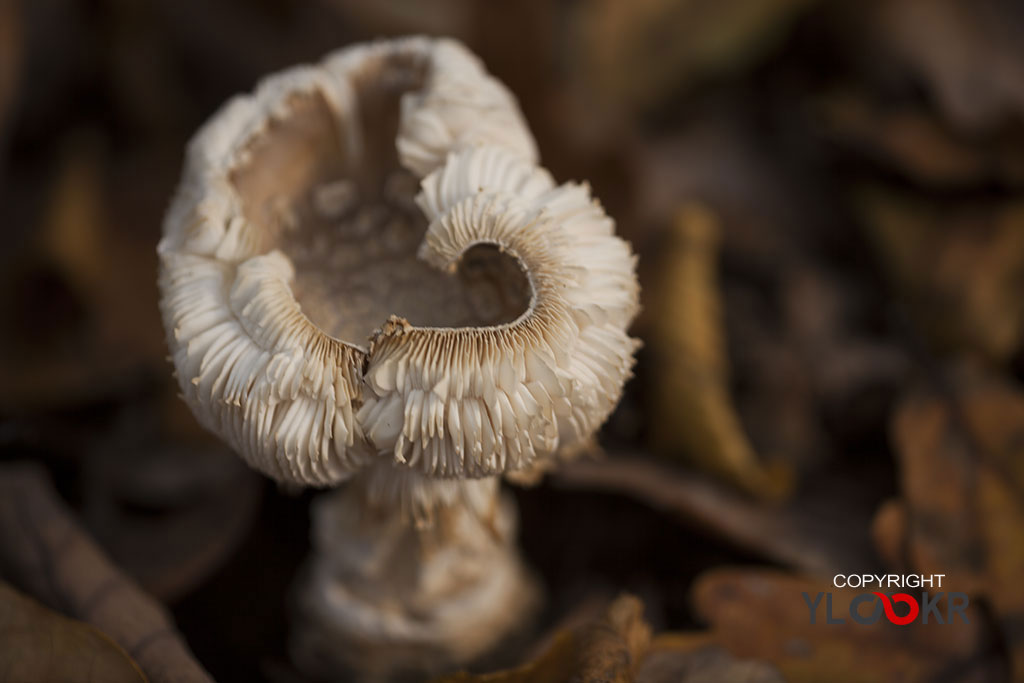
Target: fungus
(366,277)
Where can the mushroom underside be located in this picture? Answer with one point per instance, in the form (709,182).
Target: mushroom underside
(346,218)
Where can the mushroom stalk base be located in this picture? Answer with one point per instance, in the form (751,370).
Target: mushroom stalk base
(383,595)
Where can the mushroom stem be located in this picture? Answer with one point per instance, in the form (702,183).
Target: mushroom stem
(382,596)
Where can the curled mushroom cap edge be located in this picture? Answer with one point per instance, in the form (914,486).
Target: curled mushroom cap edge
(306,407)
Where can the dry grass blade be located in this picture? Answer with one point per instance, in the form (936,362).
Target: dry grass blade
(693,412)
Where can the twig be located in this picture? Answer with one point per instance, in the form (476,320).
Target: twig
(45,551)
(804,539)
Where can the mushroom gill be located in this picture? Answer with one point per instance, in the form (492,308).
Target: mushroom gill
(364,260)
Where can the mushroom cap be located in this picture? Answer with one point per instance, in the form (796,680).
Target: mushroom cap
(297,230)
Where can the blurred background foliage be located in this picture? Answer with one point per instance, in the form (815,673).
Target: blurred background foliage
(827,197)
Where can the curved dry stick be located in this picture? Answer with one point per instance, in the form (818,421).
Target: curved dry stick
(45,551)
(799,535)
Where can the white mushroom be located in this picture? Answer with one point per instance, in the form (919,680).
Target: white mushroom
(464,401)
(329,322)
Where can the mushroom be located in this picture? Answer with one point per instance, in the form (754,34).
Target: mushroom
(366,277)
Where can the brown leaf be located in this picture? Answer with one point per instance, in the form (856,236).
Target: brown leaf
(38,645)
(606,650)
(612,647)
(687,659)
(962,476)
(692,412)
(762,614)
(960,269)
(555,664)
(43,548)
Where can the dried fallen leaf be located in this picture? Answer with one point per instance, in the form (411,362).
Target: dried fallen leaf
(960,269)
(614,645)
(38,645)
(692,411)
(962,477)
(618,648)
(669,663)
(603,651)
(762,614)
(47,553)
